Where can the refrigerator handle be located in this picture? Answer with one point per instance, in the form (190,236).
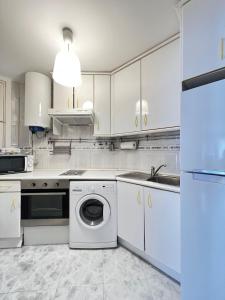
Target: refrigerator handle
(209,178)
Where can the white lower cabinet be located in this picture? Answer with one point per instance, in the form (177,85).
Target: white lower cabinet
(131,214)
(162,227)
(149,221)
(10,209)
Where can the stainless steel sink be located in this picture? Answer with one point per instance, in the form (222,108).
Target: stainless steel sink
(136,176)
(163,179)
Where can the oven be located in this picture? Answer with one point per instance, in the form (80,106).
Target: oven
(45,203)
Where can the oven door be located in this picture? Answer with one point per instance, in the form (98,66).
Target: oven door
(45,207)
(93,211)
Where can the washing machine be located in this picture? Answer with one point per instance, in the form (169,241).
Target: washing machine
(93,214)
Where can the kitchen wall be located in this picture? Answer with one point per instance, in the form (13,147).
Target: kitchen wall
(89,152)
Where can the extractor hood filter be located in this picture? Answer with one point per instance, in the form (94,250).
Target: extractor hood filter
(73,117)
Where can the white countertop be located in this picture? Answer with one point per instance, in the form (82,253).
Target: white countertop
(98,174)
(55,174)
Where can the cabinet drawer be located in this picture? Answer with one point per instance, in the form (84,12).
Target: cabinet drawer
(10,186)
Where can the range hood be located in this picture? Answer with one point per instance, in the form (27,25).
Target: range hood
(72,117)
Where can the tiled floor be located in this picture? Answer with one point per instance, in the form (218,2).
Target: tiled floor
(55,272)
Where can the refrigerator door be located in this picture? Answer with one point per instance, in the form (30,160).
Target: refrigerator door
(203,128)
(203,237)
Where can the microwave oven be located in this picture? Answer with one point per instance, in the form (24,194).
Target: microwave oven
(16,163)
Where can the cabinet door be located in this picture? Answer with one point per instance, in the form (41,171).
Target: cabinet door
(84,95)
(102,105)
(2,100)
(2,139)
(10,215)
(162,227)
(161,87)
(62,97)
(203,37)
(2,114)
(125,86)
(131,214)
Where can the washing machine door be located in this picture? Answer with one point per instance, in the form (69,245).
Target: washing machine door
(93,211)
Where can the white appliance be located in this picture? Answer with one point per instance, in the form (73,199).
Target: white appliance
(16,163)
(93,214)
(203,188)
(37,100)
(45,211)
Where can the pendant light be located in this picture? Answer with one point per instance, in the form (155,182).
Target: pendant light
(66,69)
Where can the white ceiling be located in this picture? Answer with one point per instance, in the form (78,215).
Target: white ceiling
(108,32)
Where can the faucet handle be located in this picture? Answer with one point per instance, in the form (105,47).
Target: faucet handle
(152,171)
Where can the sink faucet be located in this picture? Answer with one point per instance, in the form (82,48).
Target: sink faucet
(155,171)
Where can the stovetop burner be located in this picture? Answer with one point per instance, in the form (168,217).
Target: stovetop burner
(73,173)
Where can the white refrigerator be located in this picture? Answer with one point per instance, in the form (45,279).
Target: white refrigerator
(203,192)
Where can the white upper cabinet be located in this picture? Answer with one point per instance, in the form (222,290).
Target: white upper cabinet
(84,95)
(203,35)
(131,214)
(62,97)
(125,88)
(161,87)
(102,105)
(162,227)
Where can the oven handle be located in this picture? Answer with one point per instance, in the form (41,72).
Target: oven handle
(43,194)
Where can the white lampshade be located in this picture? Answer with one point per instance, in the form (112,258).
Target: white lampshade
(67,70)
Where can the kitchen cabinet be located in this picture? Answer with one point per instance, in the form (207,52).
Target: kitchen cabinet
(161,88)
(162,227)
(62,97)
(10,211)
(203,33)
(125,97)
(102,105)
(2,113)
(84,94)
(131,214)
(15,113)
(1,135)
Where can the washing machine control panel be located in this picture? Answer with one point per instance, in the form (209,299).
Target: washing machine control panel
(93,188)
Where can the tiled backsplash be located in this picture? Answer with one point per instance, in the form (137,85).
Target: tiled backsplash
(92,153)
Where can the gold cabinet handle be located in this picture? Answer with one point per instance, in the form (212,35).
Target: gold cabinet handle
(13,204)
(149,201)
(136,121)
(145,119)
(222,48)
(139,197)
